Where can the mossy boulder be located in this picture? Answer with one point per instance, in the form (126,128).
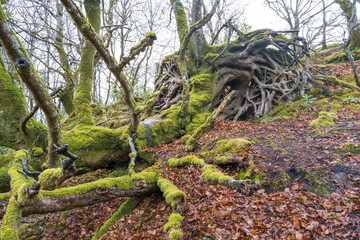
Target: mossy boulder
(220,151)
(236,145)
(97,146)
(325,120)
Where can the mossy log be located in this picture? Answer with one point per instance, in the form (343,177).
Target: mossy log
(334,80)
(212,176)
(86,194)
(125,208)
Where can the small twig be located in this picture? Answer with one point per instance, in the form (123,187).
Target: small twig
(277,230)
(33,174)
(26,176)
(225,48)
(319,197)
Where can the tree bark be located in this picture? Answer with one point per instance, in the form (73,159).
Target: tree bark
(34,83)
(67,94)
(349,9)
(90,34)
(13,109)
(83,94)
(53,204)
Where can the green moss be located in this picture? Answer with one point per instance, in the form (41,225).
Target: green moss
(174,222)
(125,208)
(11,221)
(197,121)
(315,91)
(163,131)
(224,149)
(171,193)
(139,109)
(328,106)
(13,109)
(189,160)
(202,92)
(18,181)
(21,194)
(124,182)
(340,57)
(245,175)
(314,183)
(235,145)
(350,147)
(175,235)
(324,120)
(4,176)
(280,112)
(221,160)
(334,81)
(281,182)
(5,160)
(5,196)
(51,178)
(37,152)
(83,91)
(212,176)
(97,146)
(132,155)
(185,138)
(181,20)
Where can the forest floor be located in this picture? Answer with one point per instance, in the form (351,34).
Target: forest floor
(310,188)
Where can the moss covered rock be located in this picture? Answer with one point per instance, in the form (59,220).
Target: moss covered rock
(325,120)
(97,146)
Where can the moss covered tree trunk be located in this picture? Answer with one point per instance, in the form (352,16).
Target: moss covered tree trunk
(34,83)
(13,109)
(83,95)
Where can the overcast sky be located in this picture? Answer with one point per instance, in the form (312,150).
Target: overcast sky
(260,16)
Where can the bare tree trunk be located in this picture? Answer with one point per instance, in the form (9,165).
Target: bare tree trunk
(67,94)
(324,26)
(198,39)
